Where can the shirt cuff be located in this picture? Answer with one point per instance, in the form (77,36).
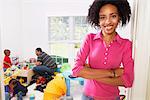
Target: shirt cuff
(76,70)
(127,82)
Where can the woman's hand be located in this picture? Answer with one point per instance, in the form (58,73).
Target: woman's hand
(118,72)
(87,65)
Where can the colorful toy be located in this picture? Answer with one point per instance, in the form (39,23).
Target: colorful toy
(65,67)
(25,67)
(55,88)
(21,80)
(32,97)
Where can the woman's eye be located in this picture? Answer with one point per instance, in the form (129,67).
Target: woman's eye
(102,18)
(114,16)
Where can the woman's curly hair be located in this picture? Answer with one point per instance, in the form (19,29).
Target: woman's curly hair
(123,8)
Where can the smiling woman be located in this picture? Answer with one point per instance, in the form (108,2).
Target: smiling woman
(109,56)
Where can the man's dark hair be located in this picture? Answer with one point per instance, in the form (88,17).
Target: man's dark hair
(123,8)
(38,49)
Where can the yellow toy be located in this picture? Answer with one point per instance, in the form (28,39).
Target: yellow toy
(55,88)
(21,80)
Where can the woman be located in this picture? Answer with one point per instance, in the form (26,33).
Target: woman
(105,52)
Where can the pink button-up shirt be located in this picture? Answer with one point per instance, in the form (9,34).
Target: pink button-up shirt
(100,56)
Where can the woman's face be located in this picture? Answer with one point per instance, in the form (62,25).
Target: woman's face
(108,19)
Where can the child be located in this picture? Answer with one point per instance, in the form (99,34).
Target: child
(6,62)
(15,88)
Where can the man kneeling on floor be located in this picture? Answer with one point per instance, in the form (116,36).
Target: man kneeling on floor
(44,69)
(45,65)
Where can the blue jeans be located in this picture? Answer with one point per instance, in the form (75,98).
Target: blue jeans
(44,70)
(19,96)
(7,96)
(84,97)
(4,69)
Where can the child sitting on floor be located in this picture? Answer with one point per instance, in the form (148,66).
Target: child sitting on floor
(15,88)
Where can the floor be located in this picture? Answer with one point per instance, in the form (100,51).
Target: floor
(76,92)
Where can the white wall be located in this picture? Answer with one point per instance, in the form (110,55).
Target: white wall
(11,26)
(25,24)
(0,31)
(148,82)
(1,69)
(142,51)
(35,26)
(1,75)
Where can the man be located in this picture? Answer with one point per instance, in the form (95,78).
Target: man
(45,64)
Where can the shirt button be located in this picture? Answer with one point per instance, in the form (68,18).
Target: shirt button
(105,58)
(109,45)
(105,63)
(106,49)
(106,53)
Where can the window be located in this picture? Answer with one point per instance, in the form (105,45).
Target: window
(66,34)
(59,28)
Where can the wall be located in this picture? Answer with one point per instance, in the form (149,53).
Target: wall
(25,24)
(148,82)
(1,78)
(35,26)
(142,51)
(11,26)
(10,31)
(1,70)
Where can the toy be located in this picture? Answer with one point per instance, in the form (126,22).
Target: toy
(25,67)
(55,88)
(21,80)
(14,68)
(65,67)
(32,97)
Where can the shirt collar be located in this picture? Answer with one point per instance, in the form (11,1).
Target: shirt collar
(99,36)
(118,39)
